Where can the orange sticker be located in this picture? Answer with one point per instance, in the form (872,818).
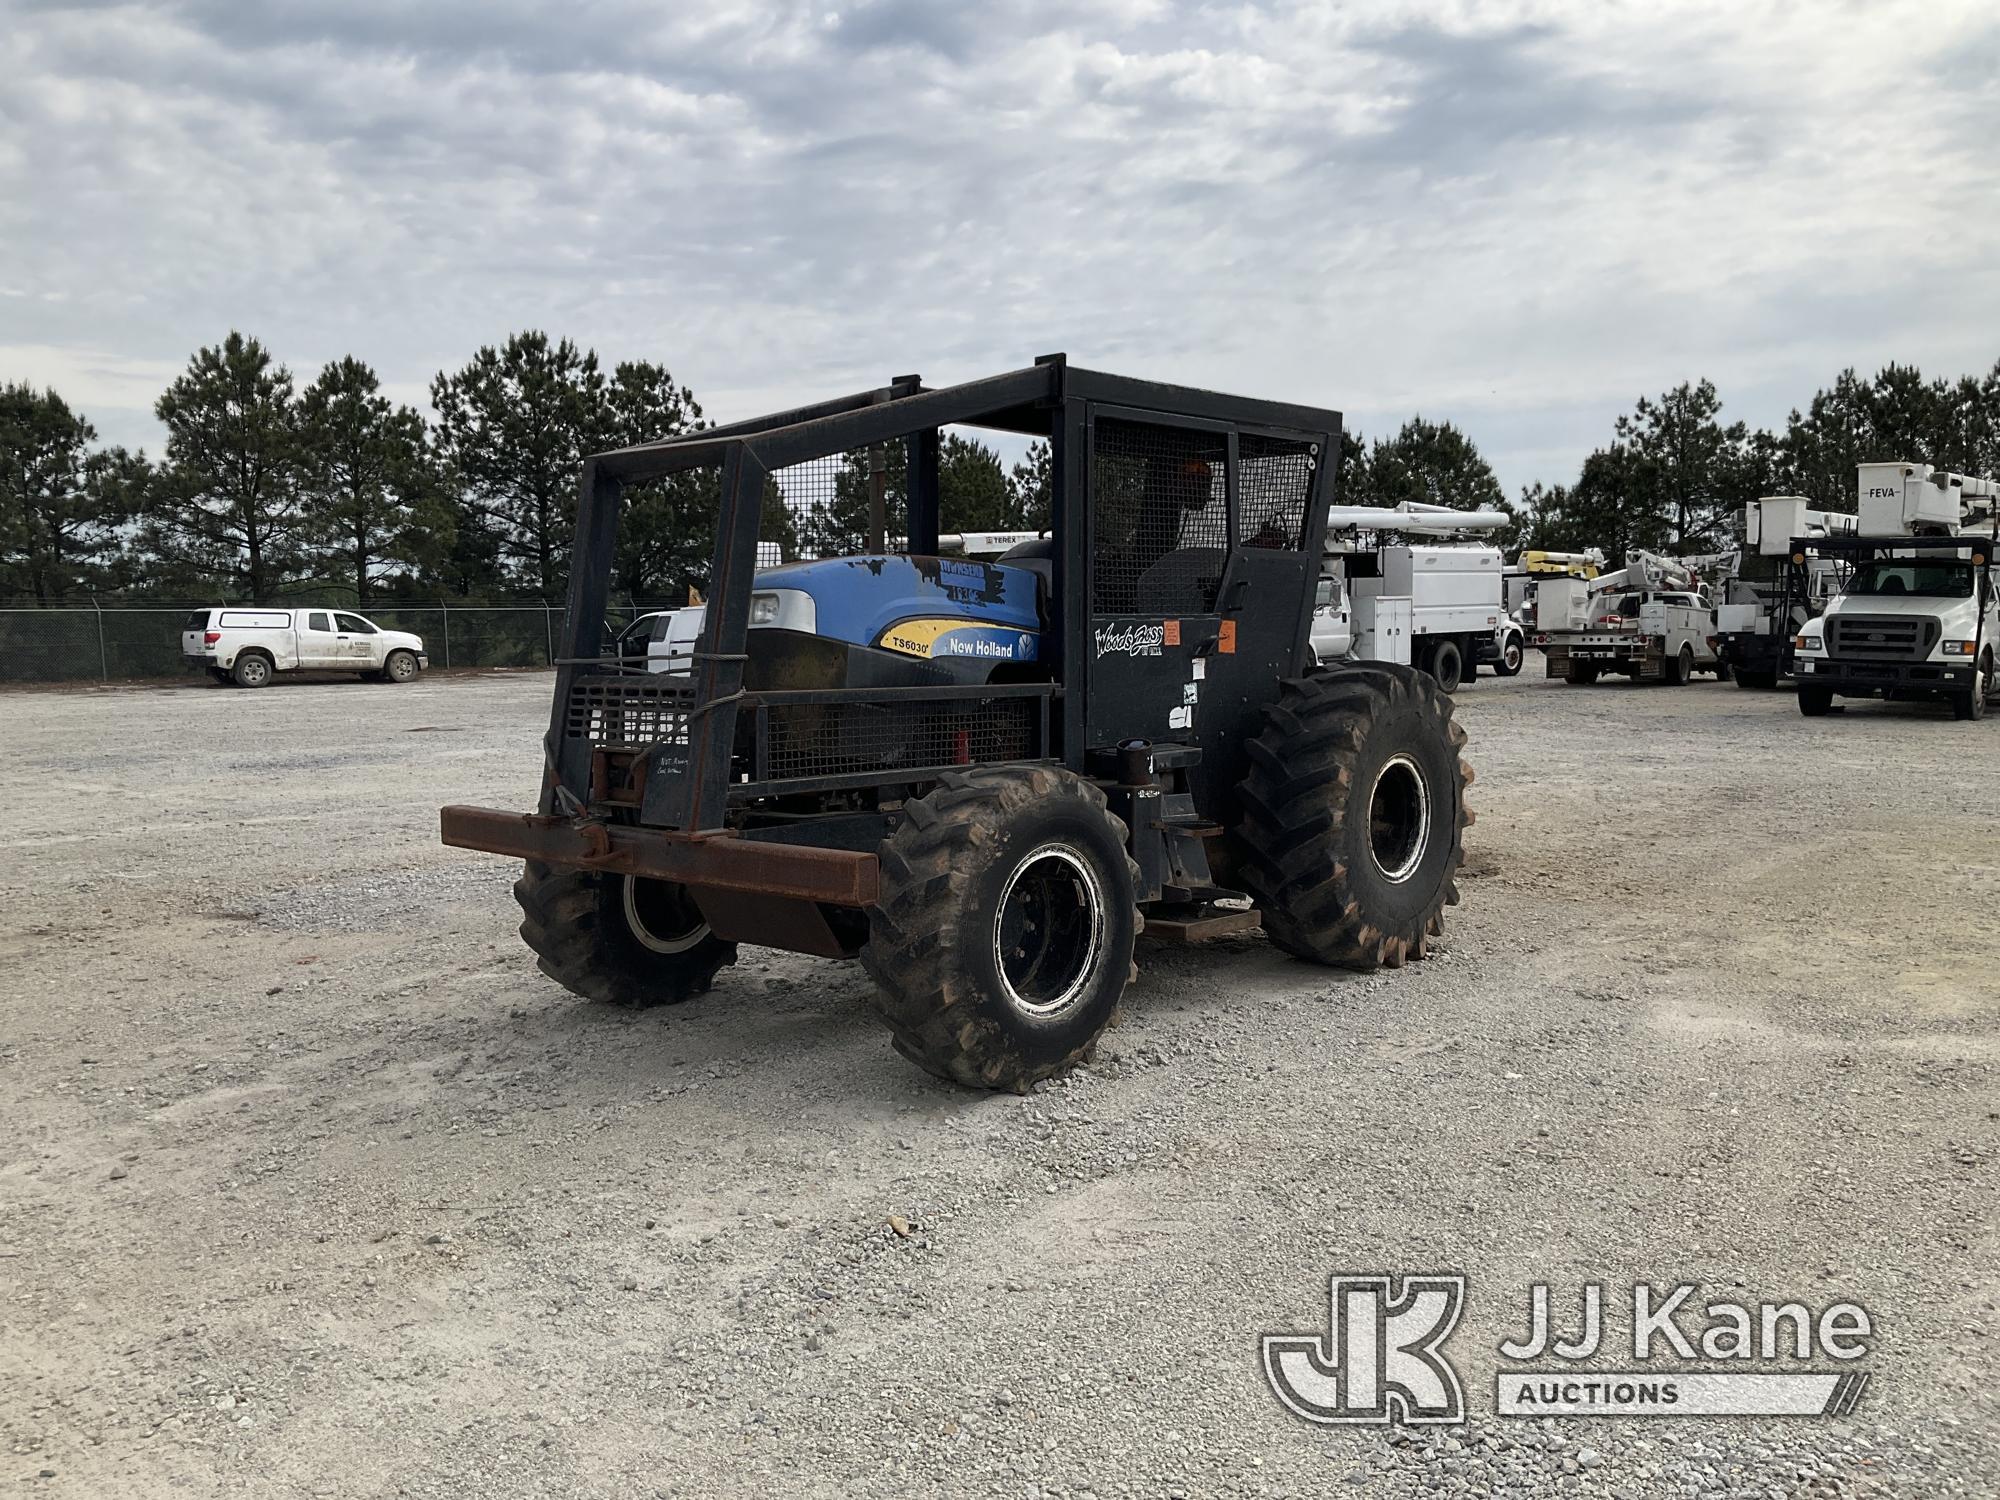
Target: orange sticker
(1225,640)
(1173,632)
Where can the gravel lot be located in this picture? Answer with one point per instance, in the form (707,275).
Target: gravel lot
(310,1184)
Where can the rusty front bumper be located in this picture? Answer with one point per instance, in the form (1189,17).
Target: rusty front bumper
(715,861)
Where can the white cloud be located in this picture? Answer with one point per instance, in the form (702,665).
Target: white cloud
(1516,215)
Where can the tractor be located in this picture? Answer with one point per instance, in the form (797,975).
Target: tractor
(982,778)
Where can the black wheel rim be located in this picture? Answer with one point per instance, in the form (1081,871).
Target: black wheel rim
(1048,934)
(1399,819)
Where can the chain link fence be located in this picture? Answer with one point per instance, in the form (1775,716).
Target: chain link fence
(125,641)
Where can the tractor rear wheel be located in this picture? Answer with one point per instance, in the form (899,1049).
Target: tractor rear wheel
(1354,816)
(1002,934)
(621,939)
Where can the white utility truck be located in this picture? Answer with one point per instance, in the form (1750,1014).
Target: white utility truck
(250,646)
(1917,617)
(1769,601)
(1651,620)
(1395,587)
(1518,581)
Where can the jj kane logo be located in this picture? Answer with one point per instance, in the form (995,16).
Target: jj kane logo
(1136,638)
(1381,1358)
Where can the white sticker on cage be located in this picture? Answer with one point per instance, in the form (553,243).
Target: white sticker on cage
(1181,718)
(1190,693)
(1200,668)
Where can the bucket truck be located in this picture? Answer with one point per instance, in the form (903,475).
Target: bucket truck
(1410,584)
(1917,617)
(1765,606)
(1651,620)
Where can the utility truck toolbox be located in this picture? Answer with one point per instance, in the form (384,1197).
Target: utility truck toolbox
(249,647)
(981,778)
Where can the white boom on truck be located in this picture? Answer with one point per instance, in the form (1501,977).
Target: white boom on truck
(1651,620)
(1917,617)
(1412,584)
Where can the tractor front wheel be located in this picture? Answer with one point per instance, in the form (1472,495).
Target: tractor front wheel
(621,939)
(1354,816)
(1002,933)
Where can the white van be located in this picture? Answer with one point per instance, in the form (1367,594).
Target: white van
(246,646)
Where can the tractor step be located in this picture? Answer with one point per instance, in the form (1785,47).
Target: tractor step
(1203,922)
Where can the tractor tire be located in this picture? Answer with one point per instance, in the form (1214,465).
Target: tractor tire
(1001,938)
(618,939)
(1447,664)
(1354,816)
(1582,673)
(1815,702)
(1512,654)
(252,669)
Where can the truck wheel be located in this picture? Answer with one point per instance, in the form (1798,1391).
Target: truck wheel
(1971,704)
(400,667)
(1582,673)
(1815,702)
(1748,679)
(252,669)
(1512,654)
(620,939)
(1354,816)
(1681,673)
(1002,935)
(1447,665)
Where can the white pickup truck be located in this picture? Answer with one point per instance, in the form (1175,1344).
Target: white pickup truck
(248,646)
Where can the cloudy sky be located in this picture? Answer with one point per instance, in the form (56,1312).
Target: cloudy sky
(1520,214)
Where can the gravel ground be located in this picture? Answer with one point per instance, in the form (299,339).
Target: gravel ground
(311,1184)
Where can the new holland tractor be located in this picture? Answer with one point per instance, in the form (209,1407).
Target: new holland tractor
(983,778)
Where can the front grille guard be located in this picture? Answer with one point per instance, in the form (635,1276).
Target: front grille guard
(798,741)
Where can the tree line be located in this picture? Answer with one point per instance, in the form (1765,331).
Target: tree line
(267,489)
(1675,476)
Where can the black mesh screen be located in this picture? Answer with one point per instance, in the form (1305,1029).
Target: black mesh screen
(1274,478)
(1159,518)
(820,508)
(845,739)
(623,714)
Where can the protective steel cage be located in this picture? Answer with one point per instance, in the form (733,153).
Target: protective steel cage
(1183,490)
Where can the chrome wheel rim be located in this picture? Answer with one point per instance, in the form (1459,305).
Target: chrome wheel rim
(1048,931)
(662,916)
(1399,819)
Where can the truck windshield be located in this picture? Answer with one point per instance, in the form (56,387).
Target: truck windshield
(1934,578)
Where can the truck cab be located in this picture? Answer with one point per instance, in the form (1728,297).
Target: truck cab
(1912,623)
(1916,617)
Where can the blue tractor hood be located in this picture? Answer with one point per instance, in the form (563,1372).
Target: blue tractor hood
(931,607)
